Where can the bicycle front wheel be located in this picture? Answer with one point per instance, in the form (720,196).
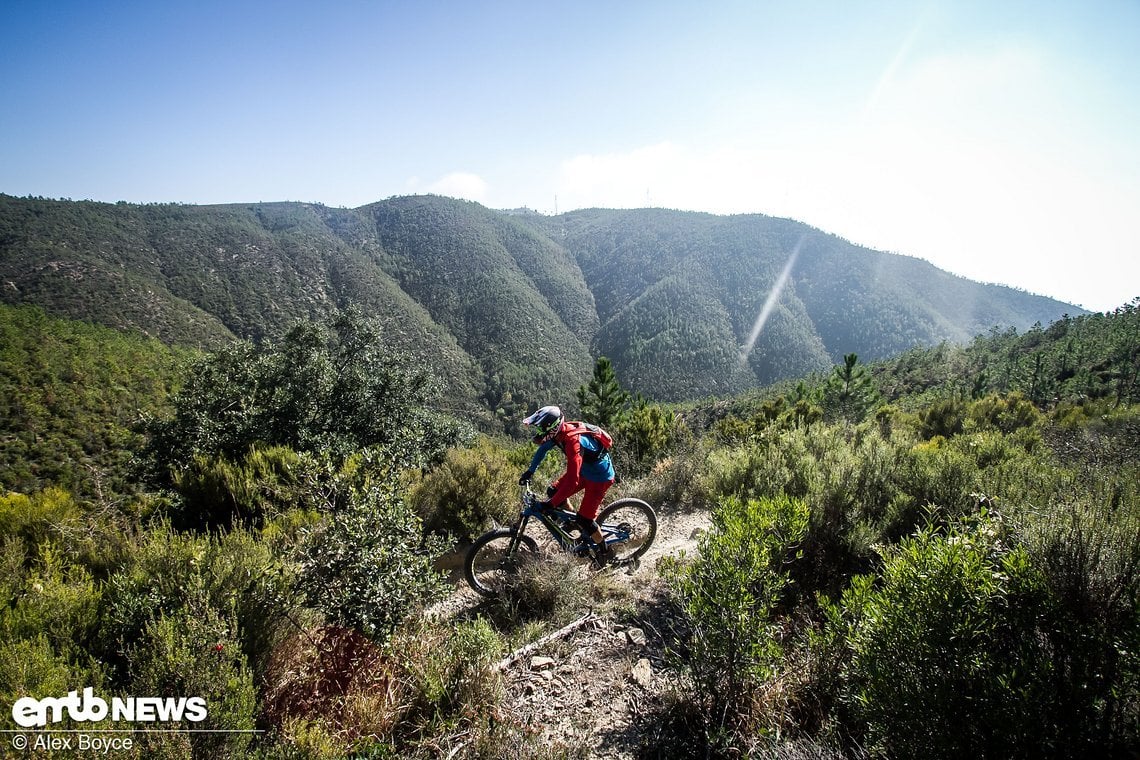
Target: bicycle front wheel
(629,527)
(495,558)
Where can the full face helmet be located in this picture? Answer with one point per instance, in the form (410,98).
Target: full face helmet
(546,422)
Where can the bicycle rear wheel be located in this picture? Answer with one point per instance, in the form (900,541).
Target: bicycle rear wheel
(490,562)
(629,527)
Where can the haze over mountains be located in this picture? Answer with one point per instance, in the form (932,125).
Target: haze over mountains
(509,307)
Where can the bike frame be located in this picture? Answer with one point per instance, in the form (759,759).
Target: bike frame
(554,525)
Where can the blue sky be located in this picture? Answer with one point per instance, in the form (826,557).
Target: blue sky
(998,140)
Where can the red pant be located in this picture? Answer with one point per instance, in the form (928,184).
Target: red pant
(592,499)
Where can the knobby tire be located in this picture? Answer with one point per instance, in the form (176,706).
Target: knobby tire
(487,566)
(633,514)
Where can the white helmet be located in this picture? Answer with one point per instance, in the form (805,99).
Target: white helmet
(546,421)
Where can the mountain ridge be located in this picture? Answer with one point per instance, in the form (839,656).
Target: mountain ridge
(509,308)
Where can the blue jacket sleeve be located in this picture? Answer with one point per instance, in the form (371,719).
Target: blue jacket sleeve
(539,455)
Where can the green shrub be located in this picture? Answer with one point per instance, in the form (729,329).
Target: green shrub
(945,418)
(643,435)
(451,672)
(729,595)
(771,464)
(266,482)
(471,489)
(59,600)
(369,565)
(851,487)
(671,482)
(939,664)
(546,587)
(1005,413)
(46,515)
(194,652)
(326,689)
(1089,625)
(235,571)
(152,582)
(334,388)
(935,474)
(732,430)
(32,667)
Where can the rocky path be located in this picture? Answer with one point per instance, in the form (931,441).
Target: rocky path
(585,688)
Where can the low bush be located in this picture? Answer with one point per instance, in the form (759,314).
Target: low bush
(235,571)
(941,656)
(1005,413)
(942,418)
(268,481)
(469,491)
(369,565)
(58,599)
(547,587)
(1089,625)
(450,673)
(194,652)
(32,666)
(326,689)
(729,595)
(49,515)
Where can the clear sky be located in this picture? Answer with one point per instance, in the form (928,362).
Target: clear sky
(998,140)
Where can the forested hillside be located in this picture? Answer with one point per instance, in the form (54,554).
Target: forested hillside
(508,308)
(679,293)
(71,397)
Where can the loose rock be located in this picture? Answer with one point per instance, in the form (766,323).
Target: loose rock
(642,673)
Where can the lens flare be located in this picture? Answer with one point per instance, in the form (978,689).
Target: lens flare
(770,302)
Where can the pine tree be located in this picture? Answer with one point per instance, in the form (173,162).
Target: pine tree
(850,392)
(603,400)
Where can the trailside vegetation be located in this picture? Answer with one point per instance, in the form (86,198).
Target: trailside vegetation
(932,556)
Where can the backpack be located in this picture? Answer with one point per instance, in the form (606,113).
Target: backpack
(598,435)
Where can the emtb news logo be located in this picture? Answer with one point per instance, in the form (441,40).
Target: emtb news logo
(30,712)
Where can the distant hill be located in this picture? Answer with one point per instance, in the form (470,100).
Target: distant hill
(509,308)
(679,293)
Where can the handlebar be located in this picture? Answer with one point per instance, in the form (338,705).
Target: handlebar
(528,496)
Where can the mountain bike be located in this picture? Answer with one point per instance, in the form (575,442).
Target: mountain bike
(628,527)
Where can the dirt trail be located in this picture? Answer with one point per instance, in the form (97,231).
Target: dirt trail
(586,689)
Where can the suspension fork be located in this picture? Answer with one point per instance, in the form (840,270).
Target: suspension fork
(520,528)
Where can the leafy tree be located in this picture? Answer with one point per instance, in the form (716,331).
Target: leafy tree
(330,388)
(603,400)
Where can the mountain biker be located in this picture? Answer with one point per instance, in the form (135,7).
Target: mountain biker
(588,468)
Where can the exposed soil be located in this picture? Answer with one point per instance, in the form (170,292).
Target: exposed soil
(586,689)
